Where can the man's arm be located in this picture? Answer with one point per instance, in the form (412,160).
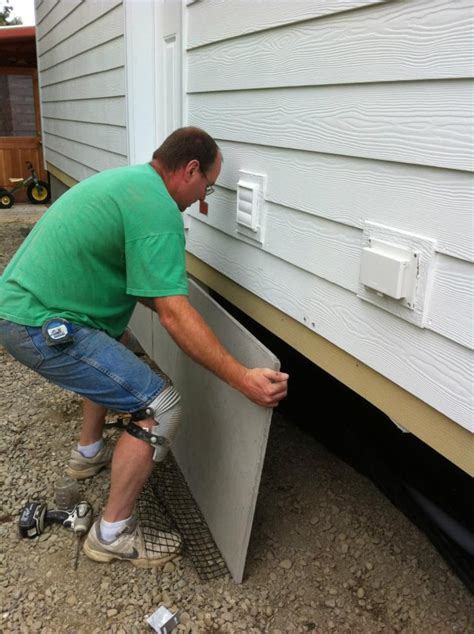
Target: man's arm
(189,330)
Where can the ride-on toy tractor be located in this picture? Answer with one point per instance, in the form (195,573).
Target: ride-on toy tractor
(38,192)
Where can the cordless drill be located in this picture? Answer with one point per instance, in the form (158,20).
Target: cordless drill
(35,516)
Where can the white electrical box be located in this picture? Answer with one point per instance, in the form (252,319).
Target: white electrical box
(387,269)
(395,271)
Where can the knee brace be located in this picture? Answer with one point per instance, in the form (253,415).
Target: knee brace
(165,410)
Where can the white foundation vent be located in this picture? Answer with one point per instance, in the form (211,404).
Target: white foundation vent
(250,199)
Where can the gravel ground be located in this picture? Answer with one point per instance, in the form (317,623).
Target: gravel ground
(328,552)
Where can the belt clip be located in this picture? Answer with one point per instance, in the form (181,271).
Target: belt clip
(56,331)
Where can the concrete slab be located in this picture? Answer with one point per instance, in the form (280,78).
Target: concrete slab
(221,444)
(22,212)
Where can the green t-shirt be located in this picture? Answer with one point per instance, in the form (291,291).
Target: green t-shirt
(110,239)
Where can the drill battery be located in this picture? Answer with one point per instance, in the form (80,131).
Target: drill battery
(32,519)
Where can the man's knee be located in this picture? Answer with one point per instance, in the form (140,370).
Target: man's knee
(166,412)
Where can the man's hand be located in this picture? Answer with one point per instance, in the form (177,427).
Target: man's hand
(189,330)
(264,386)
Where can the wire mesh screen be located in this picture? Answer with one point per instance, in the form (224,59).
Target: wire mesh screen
(167,505)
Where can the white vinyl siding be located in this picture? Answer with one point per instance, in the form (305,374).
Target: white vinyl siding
(355,114)
(214,20)
(81,57)
(406,122)
(377,44)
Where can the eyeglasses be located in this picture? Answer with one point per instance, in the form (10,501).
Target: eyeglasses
(209,188)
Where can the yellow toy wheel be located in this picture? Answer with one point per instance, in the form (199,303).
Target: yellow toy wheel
(6,199)
(39,193)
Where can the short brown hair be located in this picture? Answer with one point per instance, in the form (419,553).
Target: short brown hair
(184,145)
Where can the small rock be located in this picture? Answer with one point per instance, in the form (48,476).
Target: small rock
(184,618)
(112,612)
(286,564)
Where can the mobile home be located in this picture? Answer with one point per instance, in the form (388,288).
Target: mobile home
(343,217)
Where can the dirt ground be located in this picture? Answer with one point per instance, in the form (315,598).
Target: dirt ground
(328,552)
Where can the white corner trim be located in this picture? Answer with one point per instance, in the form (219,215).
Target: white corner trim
(140,78)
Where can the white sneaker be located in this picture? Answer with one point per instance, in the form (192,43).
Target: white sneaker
(130,545)
(81,467)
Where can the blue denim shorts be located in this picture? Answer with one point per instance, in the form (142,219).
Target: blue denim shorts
(93,365)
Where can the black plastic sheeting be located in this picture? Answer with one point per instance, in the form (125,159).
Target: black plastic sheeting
(414,477)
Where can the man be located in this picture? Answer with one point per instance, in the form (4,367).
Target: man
(66,298)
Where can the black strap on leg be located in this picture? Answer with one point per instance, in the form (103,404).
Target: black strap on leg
(123,420)
(142,414)
(144,434)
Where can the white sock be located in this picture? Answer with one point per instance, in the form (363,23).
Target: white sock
(109,530)
(89,451)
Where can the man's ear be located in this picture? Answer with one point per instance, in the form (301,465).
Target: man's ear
(191,168)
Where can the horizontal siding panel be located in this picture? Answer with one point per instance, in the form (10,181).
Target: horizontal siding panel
(352,191)
(68,166)
(92,157)
(111,138)
(43,8)
(110,55)
(106,28)
(431,367)
(58,14)
(390,42)
(332,252)
(324,248)
(215,20)
(107,84)
(86,13)
(425,123)
(111,111)
(452,301)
